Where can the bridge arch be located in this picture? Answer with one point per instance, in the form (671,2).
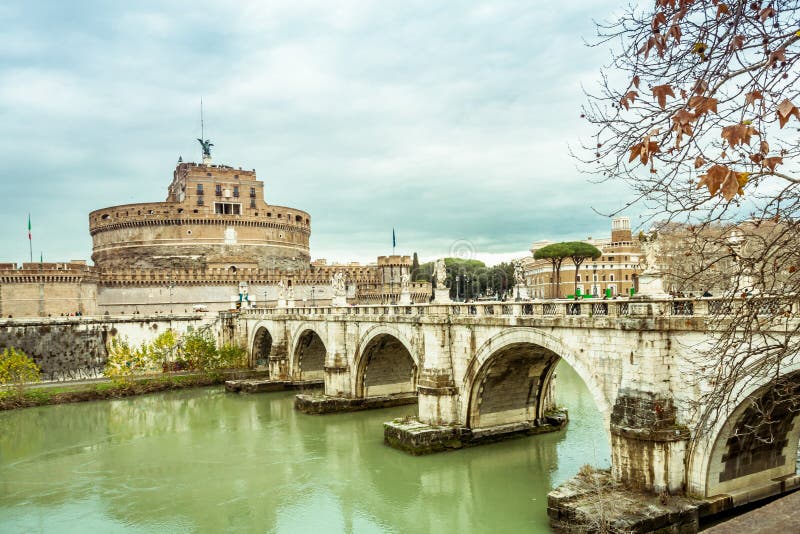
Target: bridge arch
(385,363)
(496,392)
(755,445)
(309,353)
(261,345)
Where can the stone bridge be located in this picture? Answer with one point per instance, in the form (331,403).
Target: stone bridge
(481,371)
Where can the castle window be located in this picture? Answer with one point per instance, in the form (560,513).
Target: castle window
(208,174)
(236,191)
(218,190)
(199,189)
(269,214)
(227,208)
(252,203)
(105,216)
(199,202)
(252,192)
(611,277)
(298,218)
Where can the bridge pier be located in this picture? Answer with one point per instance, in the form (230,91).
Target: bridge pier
(648,446)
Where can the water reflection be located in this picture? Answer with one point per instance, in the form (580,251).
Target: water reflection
(204,460)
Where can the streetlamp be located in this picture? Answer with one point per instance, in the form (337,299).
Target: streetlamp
(312,295)
(595,288)
(458,286)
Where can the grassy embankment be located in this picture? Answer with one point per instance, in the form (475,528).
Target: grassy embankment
(43,395)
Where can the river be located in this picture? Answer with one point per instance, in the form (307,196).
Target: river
(206,461)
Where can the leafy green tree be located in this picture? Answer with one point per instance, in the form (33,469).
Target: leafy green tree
(555,253)
(18,369)
(232,357)
(200,350)
(580,252)
(125,360)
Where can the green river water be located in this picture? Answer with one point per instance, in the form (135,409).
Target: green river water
(206,461)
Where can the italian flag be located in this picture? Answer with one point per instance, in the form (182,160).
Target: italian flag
(29,227)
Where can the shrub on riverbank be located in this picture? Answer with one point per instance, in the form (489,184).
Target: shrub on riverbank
(195,351)
(17,369)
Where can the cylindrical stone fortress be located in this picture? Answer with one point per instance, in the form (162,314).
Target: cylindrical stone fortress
(215,216)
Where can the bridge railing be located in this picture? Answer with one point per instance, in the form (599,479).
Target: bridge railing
(677,307)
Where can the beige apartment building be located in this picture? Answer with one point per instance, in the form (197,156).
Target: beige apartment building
(613,271)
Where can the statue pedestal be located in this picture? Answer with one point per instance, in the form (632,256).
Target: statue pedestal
(339,300)
(441,295)
(405,298)
(281,303)
(522,293)
(290,303)
(651,287)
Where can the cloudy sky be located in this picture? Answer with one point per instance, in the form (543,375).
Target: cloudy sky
(449,121)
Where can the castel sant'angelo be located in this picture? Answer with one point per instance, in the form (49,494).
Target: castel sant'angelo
(214,243)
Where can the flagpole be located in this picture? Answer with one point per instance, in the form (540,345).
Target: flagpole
(30,239)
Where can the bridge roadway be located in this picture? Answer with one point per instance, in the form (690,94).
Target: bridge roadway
(484,370)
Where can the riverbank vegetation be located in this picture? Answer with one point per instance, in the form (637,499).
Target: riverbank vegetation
(169,362)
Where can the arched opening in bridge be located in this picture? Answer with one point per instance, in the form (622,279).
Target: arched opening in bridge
(758,443)
(309,357)
(386,368)
(514,385)
(262,346)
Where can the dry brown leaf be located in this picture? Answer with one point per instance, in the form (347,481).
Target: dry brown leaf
(684,117)
(722,9)
(628,98)
(661,92)
(763,147)
(738,134)
(777,55)
(766,13)
(700,87)
(756,158)
(714,178)
(773,162)
(737,43)
(785,110)
(666,3)
(659,20)
(699,162)
(643,150)
(703,104)
(636,81)
(752,96)
(675,33)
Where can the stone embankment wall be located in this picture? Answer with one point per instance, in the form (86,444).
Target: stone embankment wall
(73,348)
